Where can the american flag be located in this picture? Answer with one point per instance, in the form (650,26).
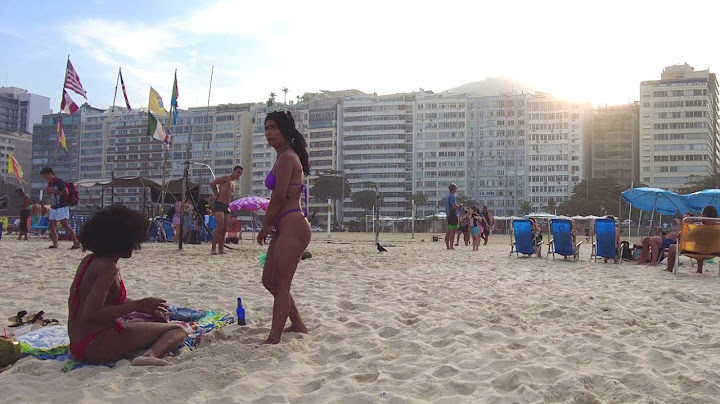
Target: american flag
(72,80)
(122,82)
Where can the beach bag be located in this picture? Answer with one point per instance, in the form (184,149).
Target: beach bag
(72,197)
(627,254)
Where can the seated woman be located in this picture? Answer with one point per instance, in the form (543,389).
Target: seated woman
(98,299)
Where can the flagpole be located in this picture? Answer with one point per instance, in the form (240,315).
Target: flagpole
(108,132)
(207,118)
(167,149)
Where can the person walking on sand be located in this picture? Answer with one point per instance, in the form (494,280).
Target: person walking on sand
(451,208)
(285,221)
(464,230)
(488,223)
(59,210)
(223,189)
(24,206)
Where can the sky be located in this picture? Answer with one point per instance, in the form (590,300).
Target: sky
(597,51)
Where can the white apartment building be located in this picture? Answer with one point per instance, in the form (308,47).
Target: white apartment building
(678,127)
(375,146)
(496,152)
(439,148)
(556,148)
(263,156)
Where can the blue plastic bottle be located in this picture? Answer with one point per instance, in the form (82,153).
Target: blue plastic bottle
(240,311)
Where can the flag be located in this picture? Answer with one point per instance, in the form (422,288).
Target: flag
(67,104)
(72,80)
(155,104)
(173,100)
(122,82)
(157,130)
(61,136)
(14,167)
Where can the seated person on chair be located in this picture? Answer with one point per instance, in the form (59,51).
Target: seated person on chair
(653,246)
(98,302)
(708,211)
(536,236)
(617,241)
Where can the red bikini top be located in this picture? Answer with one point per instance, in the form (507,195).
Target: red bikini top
(76,287)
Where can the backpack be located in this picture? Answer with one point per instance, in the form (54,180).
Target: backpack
(72,197)
(627,254)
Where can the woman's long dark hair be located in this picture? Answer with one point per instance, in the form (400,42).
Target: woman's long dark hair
(286,124)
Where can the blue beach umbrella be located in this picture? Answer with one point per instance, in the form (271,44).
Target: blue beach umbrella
(656,200)
(698,200)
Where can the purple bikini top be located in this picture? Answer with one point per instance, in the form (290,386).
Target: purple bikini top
(271,182)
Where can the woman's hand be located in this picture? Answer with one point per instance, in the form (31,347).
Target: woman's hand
(262,235)
(152,305)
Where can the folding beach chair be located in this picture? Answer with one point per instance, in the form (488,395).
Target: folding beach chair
(561,241)
(697,240)
(521,239)
(603,240)
(40,228)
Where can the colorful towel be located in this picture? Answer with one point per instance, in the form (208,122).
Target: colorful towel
(52,342)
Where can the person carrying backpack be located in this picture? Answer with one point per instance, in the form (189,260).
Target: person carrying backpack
(64,196)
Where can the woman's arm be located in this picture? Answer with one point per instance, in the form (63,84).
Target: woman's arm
(95,309)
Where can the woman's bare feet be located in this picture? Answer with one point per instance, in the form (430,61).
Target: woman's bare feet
(301,328)
(149,361)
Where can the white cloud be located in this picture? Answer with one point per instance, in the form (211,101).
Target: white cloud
(599,51)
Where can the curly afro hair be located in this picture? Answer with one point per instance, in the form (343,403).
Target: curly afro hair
(116,229)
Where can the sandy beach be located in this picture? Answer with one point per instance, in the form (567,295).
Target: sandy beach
(416,324)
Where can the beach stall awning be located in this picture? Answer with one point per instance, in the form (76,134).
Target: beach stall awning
(541,216)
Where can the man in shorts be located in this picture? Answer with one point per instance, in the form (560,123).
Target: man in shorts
(223,188)
(451,209)
(24,213)
(59,210)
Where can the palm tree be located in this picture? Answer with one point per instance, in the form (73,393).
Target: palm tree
(551,205)
(525,207)
(285,90)
(271,101)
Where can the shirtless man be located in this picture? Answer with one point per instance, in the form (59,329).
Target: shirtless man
(223,189)
(36,213)
(24,212)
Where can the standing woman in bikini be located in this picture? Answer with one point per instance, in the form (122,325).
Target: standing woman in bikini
(98,301)
(285,221)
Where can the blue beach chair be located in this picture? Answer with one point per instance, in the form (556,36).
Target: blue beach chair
(40,228)
(604,244)
(522,238)
(561,240)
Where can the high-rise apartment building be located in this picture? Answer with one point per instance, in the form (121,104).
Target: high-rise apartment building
(556,148)
(19,144)
(496,152)
(46,151)
(679,141)
(20,110)
(439,147)
(375,150)
(615,143)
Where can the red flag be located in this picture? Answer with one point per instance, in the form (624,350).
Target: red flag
(67,104)
(127,103)
(72,80)
(62,142)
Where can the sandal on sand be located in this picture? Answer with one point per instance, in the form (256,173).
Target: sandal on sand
(37,317)
(17,320)
(53,246)
(75,247)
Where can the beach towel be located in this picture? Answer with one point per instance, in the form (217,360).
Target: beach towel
(53,342)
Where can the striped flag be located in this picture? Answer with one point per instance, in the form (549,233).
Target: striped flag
(67,104)
(62,142)
(14,167)
(122,82)
(158,131)
(72,80)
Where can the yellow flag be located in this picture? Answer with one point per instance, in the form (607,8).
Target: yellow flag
(155,104)
(14,167)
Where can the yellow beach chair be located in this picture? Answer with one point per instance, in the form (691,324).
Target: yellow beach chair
(698,241)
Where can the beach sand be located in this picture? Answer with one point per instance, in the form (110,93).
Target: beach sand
(415,324)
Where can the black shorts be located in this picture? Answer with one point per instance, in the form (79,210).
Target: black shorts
(24,215)
(464,229)
(221,207)
(486,232)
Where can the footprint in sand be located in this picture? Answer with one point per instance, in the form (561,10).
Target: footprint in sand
(387,332)
(366,377)
(445,371)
